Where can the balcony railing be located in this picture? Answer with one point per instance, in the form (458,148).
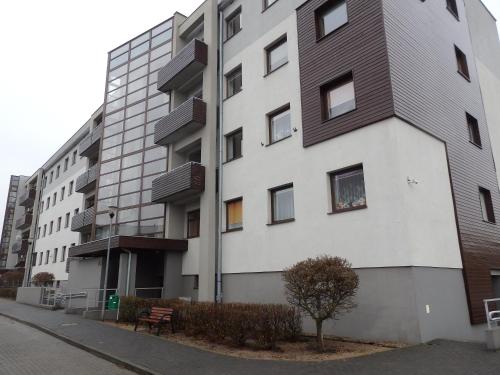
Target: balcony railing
(28,198)
(24,222)
(184,66)
(20,246)
(179,184)
(82,222)
(85,183)
(187,118)
(90,144)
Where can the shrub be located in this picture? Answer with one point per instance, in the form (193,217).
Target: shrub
(8,293)
(43,279)
(12,278)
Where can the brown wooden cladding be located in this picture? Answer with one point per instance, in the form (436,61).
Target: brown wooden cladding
(190,61)
(358,47)
(180,183)
(187,118)
(24,222)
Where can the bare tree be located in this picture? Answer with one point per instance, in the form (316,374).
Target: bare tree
(323,288)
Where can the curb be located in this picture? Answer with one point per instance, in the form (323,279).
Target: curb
(108,357)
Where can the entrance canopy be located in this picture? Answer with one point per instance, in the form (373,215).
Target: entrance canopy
(98,248)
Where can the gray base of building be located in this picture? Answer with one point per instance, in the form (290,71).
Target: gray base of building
(403,304)
(493,339)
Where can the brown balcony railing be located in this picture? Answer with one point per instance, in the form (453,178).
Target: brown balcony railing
(187,118)
(20,246)
(82,222)
(24,222)
(85,183)
(180,183)
(89,146)
(187,63)
(28,198)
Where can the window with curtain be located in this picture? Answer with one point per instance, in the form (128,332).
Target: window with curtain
(233,24)
(277,54)
(234,82)
(234,214)
(282,204)
(280,125)
(193,224)
(348,189)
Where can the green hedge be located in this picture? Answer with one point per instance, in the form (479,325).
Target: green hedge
(8,293)
(237,324)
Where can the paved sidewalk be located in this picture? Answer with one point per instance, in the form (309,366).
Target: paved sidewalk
(164,357)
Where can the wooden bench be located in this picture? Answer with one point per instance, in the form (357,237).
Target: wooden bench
(157,317)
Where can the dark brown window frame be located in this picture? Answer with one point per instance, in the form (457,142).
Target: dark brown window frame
(188,215)
(228,75)
(229,135)
(271,47)
(227,203)
(473,130)
(273,114)
(461,58)
(332,175)
(490,212)
(328,86)
(272,192)
(234,13)
(320,33)
(266,5)
(453,8)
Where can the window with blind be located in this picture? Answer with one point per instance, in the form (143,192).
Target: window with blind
(234,214)
(279,125)
(338,97)
(348,189)
(193,224)
(282,205)
(330,17)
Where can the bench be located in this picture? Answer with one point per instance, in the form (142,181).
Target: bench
(156,317)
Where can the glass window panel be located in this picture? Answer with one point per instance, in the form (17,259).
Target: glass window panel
(278,56)
(234,145)
(110,166)
(153,78)
(108,191)
(155,167)
(153,89)
(234,82)
(130,186)
(133,134)
(150,141)
(112,141)
(158,100)
(149,212)
(150,127)
(136,96)
(140,61)
(139,50)
(103,204)
(109,179)
(341,99)
(131,173)
(159,63)
(119,51)
(157,113)
(132,160)
(129,200)
(333,17)
(129,229)
(128,215)
(233,24)
(280,126)
(135,121)
(140,39)
(118,61)
(116,94)
(160,51)
(234,214)
(161,38)
(162,27)
(140,72)
(116,105)
(146,197)
(118,82)
(155,153)
(283,205)
(136,109)
(349,189)
(136,85)
(115,117)
(133,146)
(152,226)
(117,72)
(147,182)
(111,153)
(113,129)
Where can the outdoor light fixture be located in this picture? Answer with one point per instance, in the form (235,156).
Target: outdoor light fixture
(412,181)
(112,210)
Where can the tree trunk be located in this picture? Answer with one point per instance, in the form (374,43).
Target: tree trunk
(319,335)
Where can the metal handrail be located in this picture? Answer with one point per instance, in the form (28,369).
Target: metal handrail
(492,316)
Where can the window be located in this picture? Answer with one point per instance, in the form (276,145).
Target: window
(77,210)
(47,255)
(196,282)
(279,124)
(63,190)
(268,3)
(63,254)
(40,257)
(331,16)
(54,259)
(338,97)
(277,55)
(54,199)
(193,224)
(348,189)
(39,232)
(58,171)
(463,67)
(73,159)
(474,135)
(451,5)
(48,203)
(66,220)
(51,177)
(66,164)
(234,145)
(51,228)
(282,206)
(233,24)
(70,191)
(234,82)
(44,230)
(42,206)
(486,205)
(234,214)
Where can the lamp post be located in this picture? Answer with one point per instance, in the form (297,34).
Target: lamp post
(111,212)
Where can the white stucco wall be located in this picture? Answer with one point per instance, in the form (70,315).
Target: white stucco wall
(403,224)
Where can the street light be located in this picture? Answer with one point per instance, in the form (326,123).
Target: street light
(112,213)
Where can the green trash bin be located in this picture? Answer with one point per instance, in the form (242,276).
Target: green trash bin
(113,302)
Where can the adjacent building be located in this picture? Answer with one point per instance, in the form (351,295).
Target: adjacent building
(254,134)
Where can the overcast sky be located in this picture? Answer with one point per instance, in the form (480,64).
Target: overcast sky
(53,65)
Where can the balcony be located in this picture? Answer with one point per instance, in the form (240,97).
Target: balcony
(20,246)
(181,183)
(187,118)
(28,198)
(89,146)
(190,61)
(82,222)
(24,222)
(85,183)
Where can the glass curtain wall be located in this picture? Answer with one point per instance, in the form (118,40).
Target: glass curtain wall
(130,160)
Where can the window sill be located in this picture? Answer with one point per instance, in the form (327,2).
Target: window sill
(275,69)
(338,116)
(232,230)
(191,238)
(230,161)
(232,36)
(278,141)
(232,96)
(281,222)
(335,212)
(476,144)
(489,222)
(464,75)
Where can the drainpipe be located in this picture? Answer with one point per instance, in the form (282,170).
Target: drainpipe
(127,287)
